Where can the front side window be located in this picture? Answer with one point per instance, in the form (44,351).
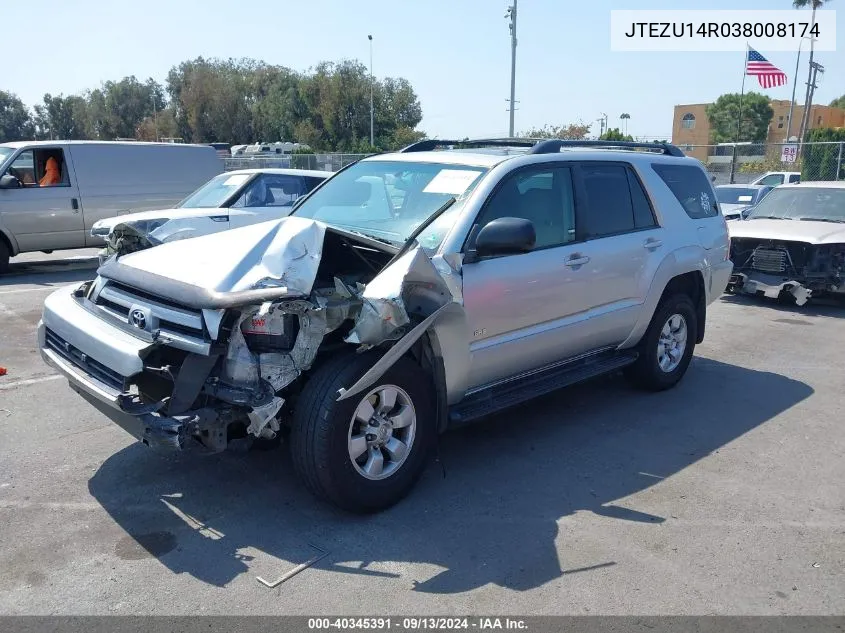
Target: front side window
(690,187)
(40,168)
(389,200)
(772,180)
(216,191)
(542,195)
(272,190)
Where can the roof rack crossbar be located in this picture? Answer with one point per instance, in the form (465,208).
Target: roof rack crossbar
(428,145)
(553,146)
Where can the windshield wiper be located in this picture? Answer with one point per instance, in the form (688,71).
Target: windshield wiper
(372,237)
(768,217)
(835,221)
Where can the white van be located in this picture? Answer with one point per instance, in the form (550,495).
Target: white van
(52,192)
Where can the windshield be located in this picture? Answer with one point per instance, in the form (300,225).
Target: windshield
(388,200)
(802,203)
(5,152)
(215,192)
(735,195)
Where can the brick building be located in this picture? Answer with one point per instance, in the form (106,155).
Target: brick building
(691,126)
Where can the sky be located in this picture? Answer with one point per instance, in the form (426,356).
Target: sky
(455,53)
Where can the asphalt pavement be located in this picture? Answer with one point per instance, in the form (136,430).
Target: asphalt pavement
(722,496)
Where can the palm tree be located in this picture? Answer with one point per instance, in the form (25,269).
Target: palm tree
(803,4)
(624,116)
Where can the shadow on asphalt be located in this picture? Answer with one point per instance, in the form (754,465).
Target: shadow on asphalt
(822,306)
(49,272)
(487,512)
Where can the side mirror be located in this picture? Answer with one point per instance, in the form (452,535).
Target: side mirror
(505,236)
(8,181)
(744,214)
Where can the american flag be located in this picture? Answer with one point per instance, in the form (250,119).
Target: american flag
(767,73)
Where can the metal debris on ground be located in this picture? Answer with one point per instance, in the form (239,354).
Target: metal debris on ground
(2,371)
(8,413)
(293,572)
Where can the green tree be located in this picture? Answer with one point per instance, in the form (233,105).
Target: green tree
(820,161)
(614,134)
(62,117)
(723,115)
(570,132)
(15,120)
(838,103)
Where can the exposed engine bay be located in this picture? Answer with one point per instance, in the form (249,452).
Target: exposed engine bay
(310,291)
(779,268)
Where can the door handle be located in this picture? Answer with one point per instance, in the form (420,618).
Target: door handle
(577,260)
(74,204)
(651,243)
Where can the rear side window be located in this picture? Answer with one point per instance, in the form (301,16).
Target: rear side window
(615,200)
(311,182)
(795,178)
(691,187)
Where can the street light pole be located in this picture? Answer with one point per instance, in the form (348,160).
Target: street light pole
(512,15)
(372,135)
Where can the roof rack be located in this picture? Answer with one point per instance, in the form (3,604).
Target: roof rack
(539,146)
(428,145)
(552,146)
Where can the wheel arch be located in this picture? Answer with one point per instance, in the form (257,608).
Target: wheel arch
(10,243)
(681,271)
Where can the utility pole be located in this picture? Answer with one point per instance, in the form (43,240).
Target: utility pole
(372,129)
(511,13)
(155,117)
(807,123)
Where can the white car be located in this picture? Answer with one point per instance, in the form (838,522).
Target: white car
(792,244)
(230,200)
(775,178)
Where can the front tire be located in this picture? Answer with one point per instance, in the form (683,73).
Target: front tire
(363,454)
(667,347)
(4,257)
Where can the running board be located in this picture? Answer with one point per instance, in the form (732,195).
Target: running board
(502,396)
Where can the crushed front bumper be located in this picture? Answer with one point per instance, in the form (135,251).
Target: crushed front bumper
(98,361)
(769,286)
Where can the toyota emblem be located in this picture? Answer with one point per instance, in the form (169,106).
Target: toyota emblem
(139,319)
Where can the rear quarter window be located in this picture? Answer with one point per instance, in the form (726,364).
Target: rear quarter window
(690,187)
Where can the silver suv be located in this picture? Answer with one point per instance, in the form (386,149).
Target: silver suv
(410,293)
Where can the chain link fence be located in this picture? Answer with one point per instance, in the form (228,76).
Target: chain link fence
(743,163)
(321,162)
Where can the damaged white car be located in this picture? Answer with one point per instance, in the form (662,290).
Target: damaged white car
(410,293)
(792,244)
(230,200)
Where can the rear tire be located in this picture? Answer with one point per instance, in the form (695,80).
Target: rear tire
(4,257)
(663,359)
(326,433)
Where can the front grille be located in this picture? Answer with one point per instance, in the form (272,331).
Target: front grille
(166,317)
(769,260)
(78,358)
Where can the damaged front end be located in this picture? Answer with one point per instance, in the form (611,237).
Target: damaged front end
(785,269)
(221,358)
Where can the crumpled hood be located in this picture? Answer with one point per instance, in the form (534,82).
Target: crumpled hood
(106,225)
(789,230)
(283,252)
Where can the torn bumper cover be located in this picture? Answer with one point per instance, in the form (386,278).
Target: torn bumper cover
(770,286)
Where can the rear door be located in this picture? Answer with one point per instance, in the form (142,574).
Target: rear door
(623,245)
(45,213)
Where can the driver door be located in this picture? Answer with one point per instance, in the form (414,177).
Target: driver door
(526,310)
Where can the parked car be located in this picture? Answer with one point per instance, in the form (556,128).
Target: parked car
(775,178)
(363,328)
(792,244)
(52,192)
(230,200)
(735,199)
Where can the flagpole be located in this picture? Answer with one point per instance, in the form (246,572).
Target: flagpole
(739,118)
